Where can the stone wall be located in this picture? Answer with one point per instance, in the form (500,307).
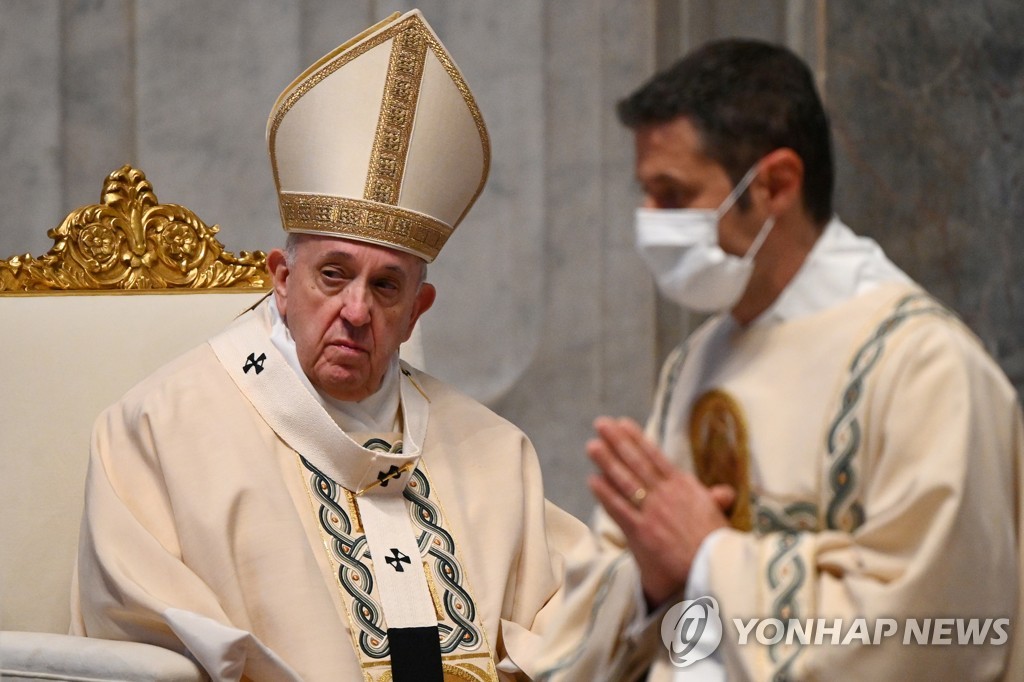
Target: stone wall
(927,104)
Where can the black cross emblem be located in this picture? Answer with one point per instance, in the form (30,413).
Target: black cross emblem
(397,559)
(253,362)
(385,476)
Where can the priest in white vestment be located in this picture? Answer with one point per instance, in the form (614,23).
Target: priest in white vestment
(290,501)
(829,486)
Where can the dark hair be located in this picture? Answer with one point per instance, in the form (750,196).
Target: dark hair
(746,98)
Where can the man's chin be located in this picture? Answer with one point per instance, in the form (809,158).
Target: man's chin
(346,386)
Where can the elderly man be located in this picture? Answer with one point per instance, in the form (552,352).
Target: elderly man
(290,500)
(830,477)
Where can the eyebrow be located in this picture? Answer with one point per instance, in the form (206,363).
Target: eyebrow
(343,255)
(663,178)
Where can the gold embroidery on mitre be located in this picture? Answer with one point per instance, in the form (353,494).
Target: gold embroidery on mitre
(397,113)
(718,439)
(391,225)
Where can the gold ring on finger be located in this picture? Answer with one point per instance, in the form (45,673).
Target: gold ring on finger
(638,497)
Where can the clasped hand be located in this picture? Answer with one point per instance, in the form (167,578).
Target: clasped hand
(664,513)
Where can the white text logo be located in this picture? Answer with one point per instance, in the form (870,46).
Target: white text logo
(818,631)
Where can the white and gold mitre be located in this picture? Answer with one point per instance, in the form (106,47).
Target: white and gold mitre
(380,141)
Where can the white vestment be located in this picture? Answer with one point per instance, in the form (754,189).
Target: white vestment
(228,517)
(877,451)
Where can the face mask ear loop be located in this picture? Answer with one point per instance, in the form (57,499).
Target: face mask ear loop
(759,239)
(737,191)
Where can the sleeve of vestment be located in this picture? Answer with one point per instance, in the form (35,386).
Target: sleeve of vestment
(928,531)
(551,537)
(603,631)
(131,583)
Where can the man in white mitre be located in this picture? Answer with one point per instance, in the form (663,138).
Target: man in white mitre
(290,501)
(831,446)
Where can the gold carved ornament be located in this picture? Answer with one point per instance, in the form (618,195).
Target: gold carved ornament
(130,241)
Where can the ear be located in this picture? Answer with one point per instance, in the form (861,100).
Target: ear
(781,181)
(424,299)
(278,266)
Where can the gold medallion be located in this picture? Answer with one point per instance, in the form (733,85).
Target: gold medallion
(718,438)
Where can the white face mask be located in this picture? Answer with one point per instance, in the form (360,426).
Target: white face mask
(680,247)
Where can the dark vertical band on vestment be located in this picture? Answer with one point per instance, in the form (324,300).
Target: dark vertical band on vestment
(415,654)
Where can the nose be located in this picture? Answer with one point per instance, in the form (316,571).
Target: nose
(355,308)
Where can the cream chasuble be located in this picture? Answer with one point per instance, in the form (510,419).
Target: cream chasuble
(229,517)
(361,501)
(879,472)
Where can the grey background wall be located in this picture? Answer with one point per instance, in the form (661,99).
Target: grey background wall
(545,312)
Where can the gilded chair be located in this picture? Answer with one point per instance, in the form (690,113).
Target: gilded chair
(128,284)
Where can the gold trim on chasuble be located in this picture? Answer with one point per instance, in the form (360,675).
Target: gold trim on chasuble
(720,446)
(465,654)
(384,223)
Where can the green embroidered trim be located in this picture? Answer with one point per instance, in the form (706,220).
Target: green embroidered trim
(352,554)
(786,575)
(845,511)
(438,544)
(786,572)
(793,518)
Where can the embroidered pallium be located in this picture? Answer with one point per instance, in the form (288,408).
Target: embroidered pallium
(457,613)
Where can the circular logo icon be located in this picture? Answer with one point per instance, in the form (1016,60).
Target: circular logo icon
(691,630)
